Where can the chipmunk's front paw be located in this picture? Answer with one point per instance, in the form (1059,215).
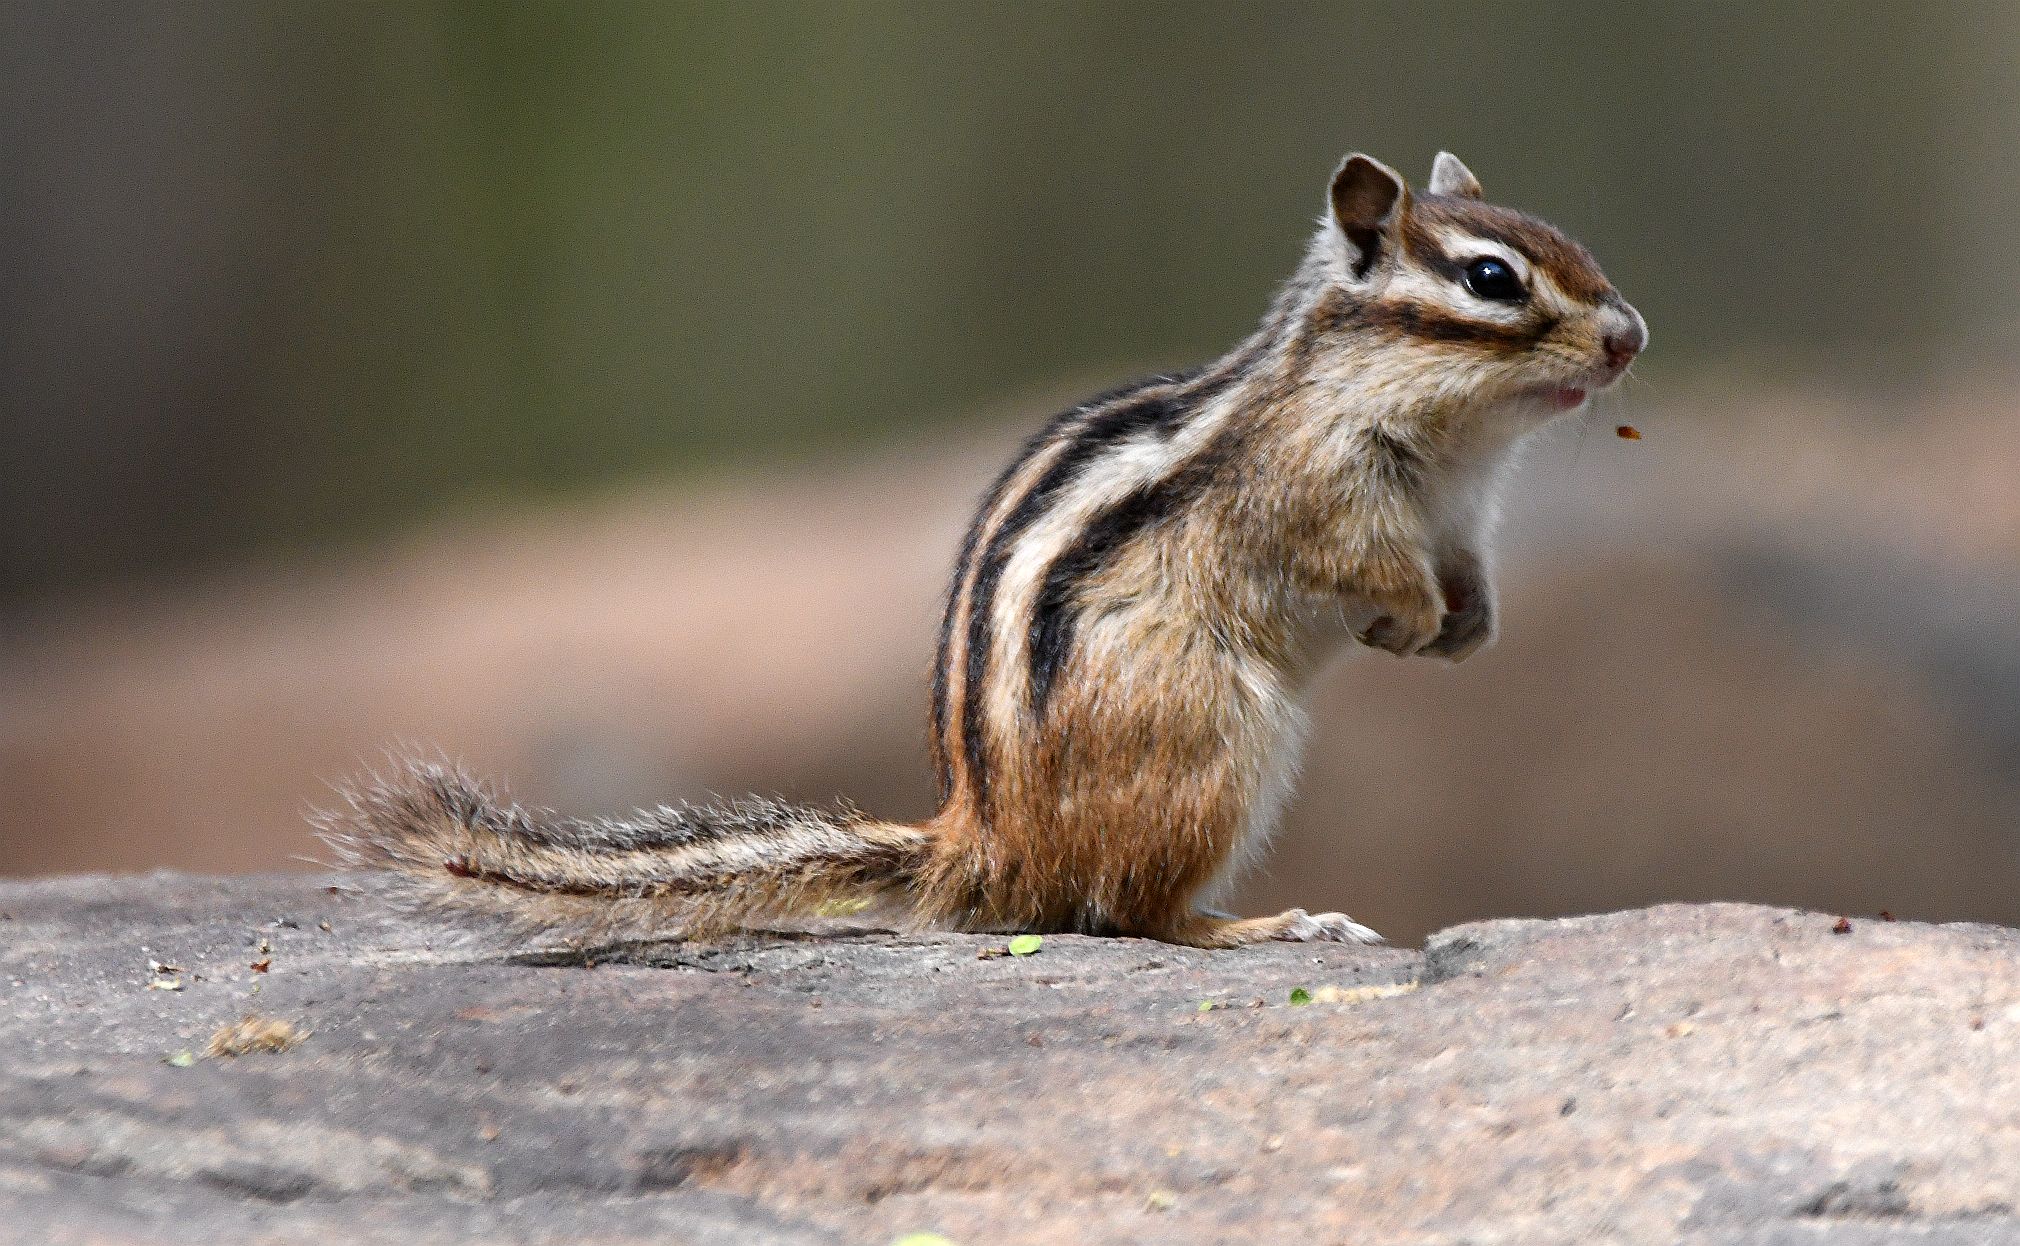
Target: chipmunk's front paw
(1469,606)
(1408,620)
(1467,629)
(1302,927)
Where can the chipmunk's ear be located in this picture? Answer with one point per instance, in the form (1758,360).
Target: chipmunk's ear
(1450,176)
(1369,200)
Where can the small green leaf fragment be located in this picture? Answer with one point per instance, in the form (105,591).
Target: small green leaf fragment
(842,908)
(1206,1005)
(181,1059)
(923,1239)
(1300,997)
(1025,945)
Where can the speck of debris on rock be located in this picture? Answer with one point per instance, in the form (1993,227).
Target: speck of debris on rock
(1844,926)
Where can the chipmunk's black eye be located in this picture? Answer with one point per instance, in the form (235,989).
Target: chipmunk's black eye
(1493,279)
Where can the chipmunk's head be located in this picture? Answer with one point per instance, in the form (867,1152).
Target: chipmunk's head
(1499,306)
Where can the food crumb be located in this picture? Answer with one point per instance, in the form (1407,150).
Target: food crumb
(1844,926)
(1627,432)
(254,1033)
(1886,916)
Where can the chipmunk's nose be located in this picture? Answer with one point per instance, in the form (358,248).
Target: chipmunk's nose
(1625,337)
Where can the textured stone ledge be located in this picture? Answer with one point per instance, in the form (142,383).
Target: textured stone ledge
(1714,1073)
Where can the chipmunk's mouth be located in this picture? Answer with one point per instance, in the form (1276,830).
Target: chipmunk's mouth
(1569,397)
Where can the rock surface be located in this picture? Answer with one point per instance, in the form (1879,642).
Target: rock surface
(1716,1073)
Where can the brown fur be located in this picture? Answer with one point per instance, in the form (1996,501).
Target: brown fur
(1137,608)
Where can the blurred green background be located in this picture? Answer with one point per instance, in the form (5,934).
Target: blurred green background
(596,392)
(284,274)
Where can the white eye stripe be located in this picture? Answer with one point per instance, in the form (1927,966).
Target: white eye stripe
(1465,248)
(1422,286)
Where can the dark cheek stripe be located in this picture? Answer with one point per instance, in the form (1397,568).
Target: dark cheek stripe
(1434,325)
(1337,312)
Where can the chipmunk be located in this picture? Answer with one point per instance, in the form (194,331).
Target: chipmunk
(1135,613)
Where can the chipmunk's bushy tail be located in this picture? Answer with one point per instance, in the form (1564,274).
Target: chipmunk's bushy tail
(431,837)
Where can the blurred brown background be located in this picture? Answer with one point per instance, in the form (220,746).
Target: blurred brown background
(596,393)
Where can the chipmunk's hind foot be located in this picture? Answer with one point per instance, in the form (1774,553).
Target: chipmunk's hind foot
(1302,927)
(1290,926)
